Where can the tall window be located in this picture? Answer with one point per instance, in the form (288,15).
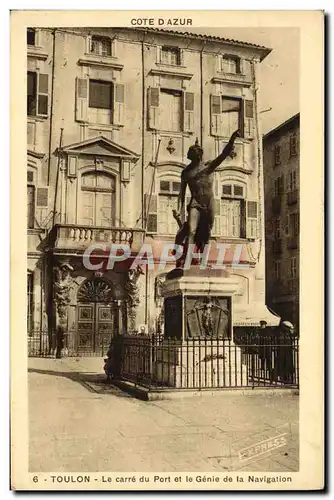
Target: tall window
(100,101)
(293,145)
(292,181)
(294,224)
(171,105)
(37,94)
(30,303)
(277,270)
(30,200)
(293,267)
(279,186)
(167,202)
(231,209)
(100,45)
(32,93)
(277,154)
(98,204)
(277,228)
(31,36)
(230,64)
(170,55)
(231,115)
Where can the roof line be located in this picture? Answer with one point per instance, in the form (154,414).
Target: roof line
(210,38)
(282,125)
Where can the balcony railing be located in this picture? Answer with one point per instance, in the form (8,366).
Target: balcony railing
(73,236)
(292,197)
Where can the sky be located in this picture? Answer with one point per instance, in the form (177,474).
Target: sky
(278,72)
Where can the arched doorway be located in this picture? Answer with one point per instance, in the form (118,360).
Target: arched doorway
(98,316)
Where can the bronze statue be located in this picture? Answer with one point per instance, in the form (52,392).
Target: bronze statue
(199,177)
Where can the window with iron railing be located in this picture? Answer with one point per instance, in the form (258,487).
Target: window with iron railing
(230,64)
(170,55)
(100,46)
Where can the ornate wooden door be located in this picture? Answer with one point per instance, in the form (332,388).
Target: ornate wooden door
(97,316)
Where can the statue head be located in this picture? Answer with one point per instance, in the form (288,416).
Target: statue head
(195,152)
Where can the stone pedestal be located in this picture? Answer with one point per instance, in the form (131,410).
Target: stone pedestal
(198,349)
(200,364)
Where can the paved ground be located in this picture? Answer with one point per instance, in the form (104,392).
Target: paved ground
(79,423)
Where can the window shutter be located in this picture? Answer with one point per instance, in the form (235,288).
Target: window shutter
(42,197)
(188,111)
(241,66)
(243,219)
(153,107)
(216,114)
(251,219)
(181,53)
(88,44)
(119,99)
(158,54)
(281,185)
(30,176)
(217,222)
(42,94)
(248,119)
(219,63)
(81,105)
(151,212)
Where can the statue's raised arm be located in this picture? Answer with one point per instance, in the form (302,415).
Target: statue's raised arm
(227,151)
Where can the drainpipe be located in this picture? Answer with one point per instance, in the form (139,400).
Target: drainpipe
(51,103)
(201,90)
(143,121)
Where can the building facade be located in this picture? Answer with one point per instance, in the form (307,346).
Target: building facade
(111,115)
(281,181)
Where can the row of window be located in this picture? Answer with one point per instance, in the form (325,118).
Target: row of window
(290,226)
(293,150)
(102,102)
(171,56)
(290,265)
(291,183)
(236,217)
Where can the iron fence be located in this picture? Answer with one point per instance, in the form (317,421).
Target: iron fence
(43,344)
(250,361)
(199,363)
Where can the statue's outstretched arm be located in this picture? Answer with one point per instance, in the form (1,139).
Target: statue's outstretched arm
(227,151)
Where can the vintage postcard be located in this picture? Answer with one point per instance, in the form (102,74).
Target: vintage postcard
(167,183)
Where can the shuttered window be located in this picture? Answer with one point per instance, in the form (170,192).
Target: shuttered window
(31,206)
(167,202)
(231,116)
(171,105)
(98,202)
(37,94)
(100,45)
(100,94)
(170,55)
